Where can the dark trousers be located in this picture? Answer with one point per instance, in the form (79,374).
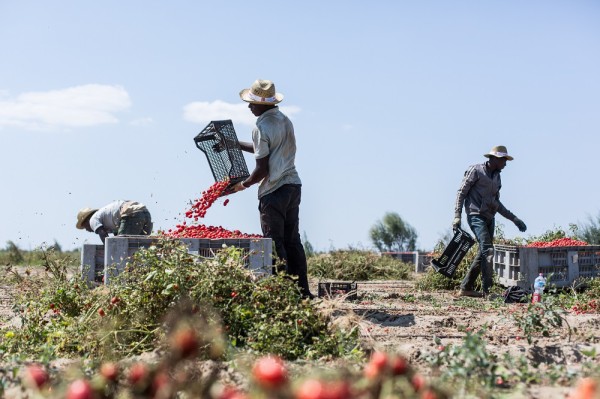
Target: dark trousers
(279,220)
(138,223)
(484,261)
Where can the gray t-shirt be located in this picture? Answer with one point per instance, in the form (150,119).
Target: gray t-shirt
(274,136)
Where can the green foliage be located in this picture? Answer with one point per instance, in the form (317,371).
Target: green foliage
(473,371)
(309,250)
(355,264)
(590,232)
(53,309)
(592,287)
(468,366)
(128,317)
(541,318)
(12,255)
(393,234)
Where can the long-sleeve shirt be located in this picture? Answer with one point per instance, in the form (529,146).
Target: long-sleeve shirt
(479,192)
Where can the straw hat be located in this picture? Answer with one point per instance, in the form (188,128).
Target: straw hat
(261,92)
(82,215)
(499,151)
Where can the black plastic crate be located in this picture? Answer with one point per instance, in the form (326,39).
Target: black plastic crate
(219,143)
(332,289)
(454,253)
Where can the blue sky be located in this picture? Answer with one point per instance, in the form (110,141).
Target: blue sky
(391,102)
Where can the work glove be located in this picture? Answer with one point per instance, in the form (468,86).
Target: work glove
(456,223)
(520,224)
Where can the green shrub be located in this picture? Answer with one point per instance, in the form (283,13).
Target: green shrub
(468,366)
(356,264)
(14,256)
(129,316)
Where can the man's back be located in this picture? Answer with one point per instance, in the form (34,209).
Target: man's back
(274,136)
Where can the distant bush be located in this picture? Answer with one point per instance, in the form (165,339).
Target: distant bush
(355,264)
(12,255)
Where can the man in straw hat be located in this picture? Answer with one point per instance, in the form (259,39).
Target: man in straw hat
(274,148)
(119,218)
(479,192)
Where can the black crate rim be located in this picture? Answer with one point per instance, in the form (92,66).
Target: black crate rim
(228,164)
(350,289)
(453,253)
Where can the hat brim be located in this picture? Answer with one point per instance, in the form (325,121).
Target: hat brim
(245,95)
(82,217)
(508,157)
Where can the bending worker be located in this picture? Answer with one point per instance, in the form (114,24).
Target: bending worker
(119,218)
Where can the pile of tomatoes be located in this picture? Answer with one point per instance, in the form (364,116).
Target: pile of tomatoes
(184,230)
(592,306)
(560,242)
(198,211)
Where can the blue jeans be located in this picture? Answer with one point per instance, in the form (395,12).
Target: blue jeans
(484,261)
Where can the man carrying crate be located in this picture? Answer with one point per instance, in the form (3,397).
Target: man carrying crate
(274,148)
(479,192)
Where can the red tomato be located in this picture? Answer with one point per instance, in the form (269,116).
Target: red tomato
(80,389)
(379,360)
(399,365)
(311,389)
(37,375)
(270,372)
(185,342)
(137,372)
(110,371)
(418,382)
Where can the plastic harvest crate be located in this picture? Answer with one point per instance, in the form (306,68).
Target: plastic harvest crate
(92,262)
(219,143)
(453,254)
(521,265)
(337,288)
(117,251)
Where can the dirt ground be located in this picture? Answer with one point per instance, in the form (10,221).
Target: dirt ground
(397,318)
(394,317)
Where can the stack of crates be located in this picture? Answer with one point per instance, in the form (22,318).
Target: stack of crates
(99,263)
(517,265)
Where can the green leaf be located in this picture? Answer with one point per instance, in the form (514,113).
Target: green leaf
(150,275)
(589,353)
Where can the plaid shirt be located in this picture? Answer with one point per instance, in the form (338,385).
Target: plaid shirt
(480,193)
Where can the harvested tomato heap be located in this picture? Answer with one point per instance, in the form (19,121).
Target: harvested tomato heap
(198,210)
(560,242)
